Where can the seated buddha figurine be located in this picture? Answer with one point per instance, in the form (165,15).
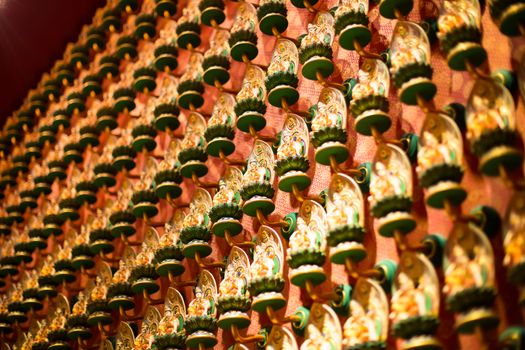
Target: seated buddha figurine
(52,209)
(167,240)
(65,252)
(86,175)
(320,339)
(38,170)
(121,203)
(344,212)
(305,237)
(4,300)
(83,236)
(408,300)
(125,138)
(194,218)
(410,50)
(457,14)
(170,156)
(291,147)
(225,195)
(172,321)
(387,181)
(146,54)
(223,113)
(99,290)
(200,305)
(369,83)
(16,294)
(55,154)
(48,269)
(327,115)
(486,120)
(8,248)
(6,163)
(190,13)
(142,342)
(346,6)
(99,221)
(361,327)
(13,199)
(194,134)
(28,344)
(252,86)
(41,334)
(168,89)
(265,262)
(434,151)
(146,180)
(167,33)
(245,20)
(234,283)
(198,214)
(23,236)
(464,272)
(193,71)
(145,256)
(32,281)
(106,156)
(514,241)
(283,60)
(122,274)
(58,321)
(80,306)
(127,76)
(219,44)
(257,171)
(317,33)
(25,185)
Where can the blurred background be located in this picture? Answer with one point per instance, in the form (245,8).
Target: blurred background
(33,34)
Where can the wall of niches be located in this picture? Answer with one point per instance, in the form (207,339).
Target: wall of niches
(95,115)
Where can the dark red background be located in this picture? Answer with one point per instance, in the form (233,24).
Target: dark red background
(33,34)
